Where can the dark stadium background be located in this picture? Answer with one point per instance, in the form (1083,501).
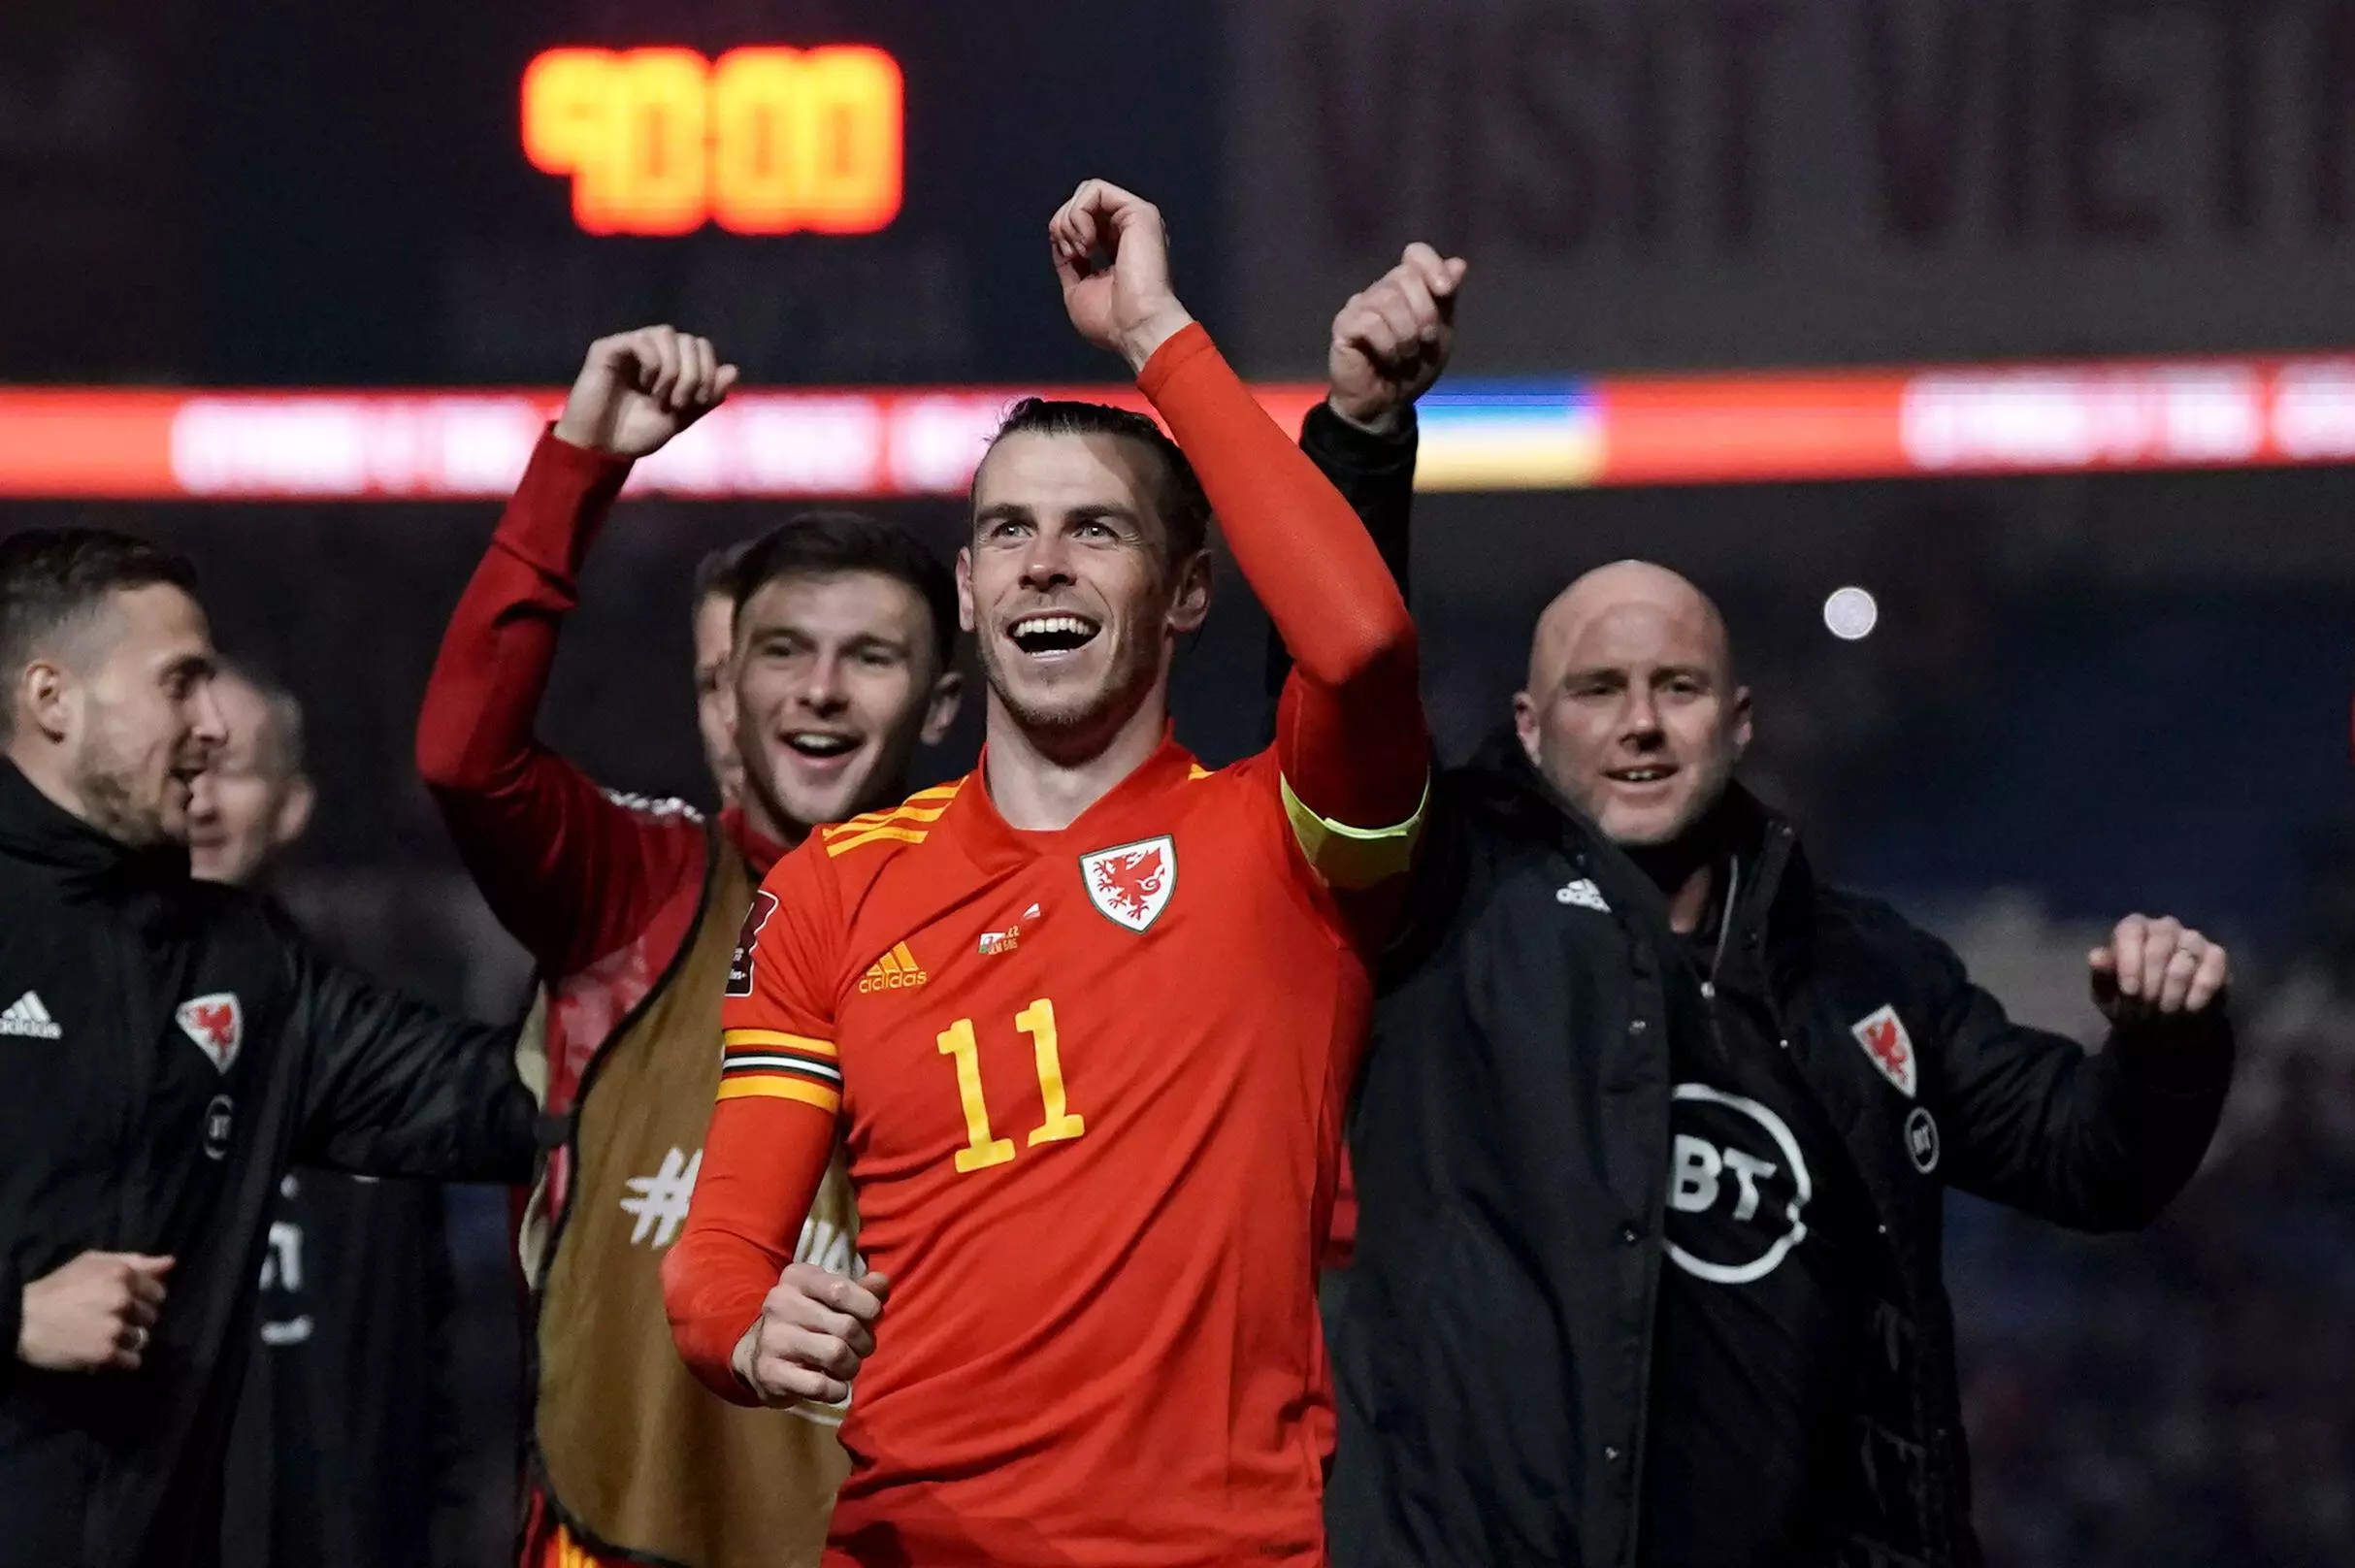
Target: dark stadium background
(2084,694)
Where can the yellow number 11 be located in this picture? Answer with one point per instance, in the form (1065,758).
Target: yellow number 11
(982,1150)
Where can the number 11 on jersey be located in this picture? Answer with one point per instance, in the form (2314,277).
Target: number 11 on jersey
(983,1149)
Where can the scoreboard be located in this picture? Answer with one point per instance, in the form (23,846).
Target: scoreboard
(764,139)
(443,193)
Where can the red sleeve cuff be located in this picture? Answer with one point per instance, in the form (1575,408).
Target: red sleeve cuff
(564,496)
(1188,344)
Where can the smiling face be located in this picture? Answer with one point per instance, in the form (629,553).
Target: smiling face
(834,688)
(1632,712)
(131,699)
(1068,589)
(252,800)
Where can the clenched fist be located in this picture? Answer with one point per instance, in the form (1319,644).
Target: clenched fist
(814,1330)
(1123,300)
(2156,967)
(92,1314)
(1390,342)
(638,389)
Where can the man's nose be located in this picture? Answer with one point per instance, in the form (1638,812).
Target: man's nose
(1046,561)
(1640,720)
(822,688)
(206,723)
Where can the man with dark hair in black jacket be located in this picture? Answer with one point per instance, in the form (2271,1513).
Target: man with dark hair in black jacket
(168,1047)
(1653,1139)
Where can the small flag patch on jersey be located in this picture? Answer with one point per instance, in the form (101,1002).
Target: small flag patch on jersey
(895,970)
(216,1024)
(27,1017)
(1130,884)
(772,1064)
(1882,1034)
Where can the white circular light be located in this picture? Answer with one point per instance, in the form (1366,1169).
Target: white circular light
(1850,613)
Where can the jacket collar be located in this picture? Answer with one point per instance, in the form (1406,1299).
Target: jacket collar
(36,831)
(996,845)
(1776,884)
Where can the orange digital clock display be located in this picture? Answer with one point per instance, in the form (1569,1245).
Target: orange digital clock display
(760,141)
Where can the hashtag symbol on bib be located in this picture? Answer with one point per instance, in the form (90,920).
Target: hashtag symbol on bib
(660,1199)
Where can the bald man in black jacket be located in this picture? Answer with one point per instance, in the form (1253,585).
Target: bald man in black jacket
(1654,1140)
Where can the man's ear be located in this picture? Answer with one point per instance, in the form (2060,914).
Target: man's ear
(294,811)
(1743,726)
(47,697)
(965,588)
(1189,605)
(941,712)
(1524,724)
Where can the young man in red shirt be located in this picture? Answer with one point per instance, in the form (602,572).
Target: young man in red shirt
(613,896)
(1087,1018)
(841,666)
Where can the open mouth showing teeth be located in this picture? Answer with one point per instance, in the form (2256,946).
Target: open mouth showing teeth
(1640,775)
(1052,634)
(819,744)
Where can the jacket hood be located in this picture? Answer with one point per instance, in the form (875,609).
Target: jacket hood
(36,831)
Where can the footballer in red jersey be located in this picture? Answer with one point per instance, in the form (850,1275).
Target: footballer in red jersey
(1087,1018)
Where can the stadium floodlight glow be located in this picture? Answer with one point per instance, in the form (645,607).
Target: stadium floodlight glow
(1850,613)
(762,141)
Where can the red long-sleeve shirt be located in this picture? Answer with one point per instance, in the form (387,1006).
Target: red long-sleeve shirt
(600,889)
(1092,1086)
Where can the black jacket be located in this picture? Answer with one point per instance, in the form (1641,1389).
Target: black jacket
(165,1048)
(1511,1143)
(344,1446)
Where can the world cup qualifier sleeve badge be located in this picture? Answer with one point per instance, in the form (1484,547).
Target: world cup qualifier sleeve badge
(748,938)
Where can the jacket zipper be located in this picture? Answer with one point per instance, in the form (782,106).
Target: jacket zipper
(1640,1440)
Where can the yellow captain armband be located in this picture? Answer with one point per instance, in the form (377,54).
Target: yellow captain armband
(1353,858)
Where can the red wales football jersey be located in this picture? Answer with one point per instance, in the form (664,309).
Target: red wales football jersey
(1092,1083)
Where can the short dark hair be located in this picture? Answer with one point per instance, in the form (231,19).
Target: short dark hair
(281,750)
(51,577)
(715,573)
(1178,496)
(832,544)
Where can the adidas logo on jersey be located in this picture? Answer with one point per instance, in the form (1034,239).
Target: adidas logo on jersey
(895,970)
(27,1017)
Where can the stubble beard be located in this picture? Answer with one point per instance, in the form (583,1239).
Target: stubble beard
(883,784)
(108,786)
(1076,727)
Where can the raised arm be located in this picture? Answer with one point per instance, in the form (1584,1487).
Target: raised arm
(1350,737)
(1391,343)
(2099,1142)
(573,873)
(747,1336)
